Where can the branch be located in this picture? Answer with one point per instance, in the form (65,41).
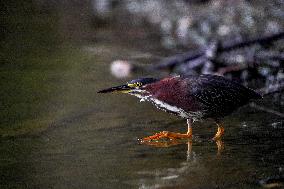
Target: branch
(228,46)
(271,89)
(229,69)
(176,60)
(253,105)
(173,61)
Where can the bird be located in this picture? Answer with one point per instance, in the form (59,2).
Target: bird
(193,98)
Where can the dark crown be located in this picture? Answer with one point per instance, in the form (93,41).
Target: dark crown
(142,81)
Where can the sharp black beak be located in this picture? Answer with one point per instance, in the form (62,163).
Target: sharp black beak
(121,88)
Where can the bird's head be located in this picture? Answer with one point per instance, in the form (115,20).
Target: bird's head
(134,87)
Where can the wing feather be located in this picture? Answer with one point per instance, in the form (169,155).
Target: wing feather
(218,95)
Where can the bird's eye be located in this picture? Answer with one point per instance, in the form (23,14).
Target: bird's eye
(137,84)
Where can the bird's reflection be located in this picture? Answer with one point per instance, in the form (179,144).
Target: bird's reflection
(190,165)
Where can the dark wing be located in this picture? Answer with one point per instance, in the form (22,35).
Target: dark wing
(218,95)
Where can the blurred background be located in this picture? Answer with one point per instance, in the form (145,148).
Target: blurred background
(57,132)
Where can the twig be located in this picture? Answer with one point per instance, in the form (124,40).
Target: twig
(267,91)
(271,89)
(253,105)
(277,57)
(173,61)
(228,46)
(233,68)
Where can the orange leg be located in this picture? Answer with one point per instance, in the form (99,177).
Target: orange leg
(220,132)
(172,135)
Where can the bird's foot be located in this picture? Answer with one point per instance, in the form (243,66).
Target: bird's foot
(169,135)
(219,133)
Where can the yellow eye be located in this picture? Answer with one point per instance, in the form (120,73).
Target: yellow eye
(138,84)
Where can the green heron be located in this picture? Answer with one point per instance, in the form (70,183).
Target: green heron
(190,97)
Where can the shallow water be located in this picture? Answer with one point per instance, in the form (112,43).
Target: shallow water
(59,133)
(99,149)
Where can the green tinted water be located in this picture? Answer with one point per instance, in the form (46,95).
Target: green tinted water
(59,133)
